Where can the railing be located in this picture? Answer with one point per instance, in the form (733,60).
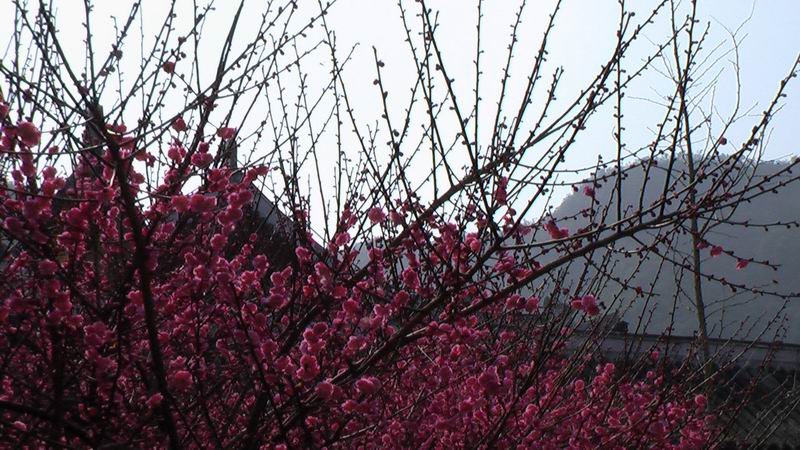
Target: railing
(776,354)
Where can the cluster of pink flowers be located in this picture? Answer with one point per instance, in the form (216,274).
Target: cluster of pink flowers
(136,337)
(587,304)
(554,231)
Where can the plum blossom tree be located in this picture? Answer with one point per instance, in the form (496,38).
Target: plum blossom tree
(143,306)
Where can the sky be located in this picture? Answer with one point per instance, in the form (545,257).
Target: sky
(769,44)
(766,32)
